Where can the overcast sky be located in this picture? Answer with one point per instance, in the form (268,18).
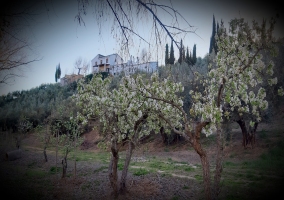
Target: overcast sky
(56,37)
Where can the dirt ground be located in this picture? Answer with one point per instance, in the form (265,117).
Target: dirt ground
(92,181)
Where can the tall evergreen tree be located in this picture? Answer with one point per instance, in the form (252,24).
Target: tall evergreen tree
(194,54)
(172,55)
(167,55)
(57,72)
(187,58)
(181,54)
(212,39)
(56,75)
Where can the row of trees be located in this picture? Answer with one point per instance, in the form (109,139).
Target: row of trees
(184,55)
(235,85)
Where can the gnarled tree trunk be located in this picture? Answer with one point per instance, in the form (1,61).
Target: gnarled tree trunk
(248,133)
(205,167)
(112,170)
(125,168)
(242,124)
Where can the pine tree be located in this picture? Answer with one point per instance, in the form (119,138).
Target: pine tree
(194,54)
(212,39)
(167,55)
(172,55)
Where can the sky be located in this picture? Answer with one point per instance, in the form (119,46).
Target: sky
(56,37)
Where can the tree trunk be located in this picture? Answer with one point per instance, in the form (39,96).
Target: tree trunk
(205,167)
(44,154)
(242,124)
(64,167)
(75,164)
(252,132)
(56,152)
(219,159)
(164,136)
(112,170)
(125,167)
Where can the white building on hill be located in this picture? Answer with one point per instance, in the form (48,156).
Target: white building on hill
(114,65)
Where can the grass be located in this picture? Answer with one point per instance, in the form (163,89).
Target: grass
(140,172)
(198,177)
(87,156)
(32,173)
(100,169)
(52,170)
(263,134)
(238,178)
(261,176)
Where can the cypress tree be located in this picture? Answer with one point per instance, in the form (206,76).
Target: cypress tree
(194,54)
(212,39)
(167,55)
(59,72)
(216,47)
(180,60)
(56,75)
(172,55)
(187,58)
(183,54)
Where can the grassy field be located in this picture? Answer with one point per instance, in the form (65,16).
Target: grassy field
(247,173)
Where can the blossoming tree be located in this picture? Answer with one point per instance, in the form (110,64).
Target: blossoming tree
(230,84)
(122,113)
(139,106)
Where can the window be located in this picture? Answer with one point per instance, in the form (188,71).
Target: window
(115,60)
(101,61)
(96,63)
(107,60)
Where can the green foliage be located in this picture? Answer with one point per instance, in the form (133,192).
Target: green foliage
(141,172)
(35,104)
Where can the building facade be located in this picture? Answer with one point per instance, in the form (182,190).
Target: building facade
(114,65)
